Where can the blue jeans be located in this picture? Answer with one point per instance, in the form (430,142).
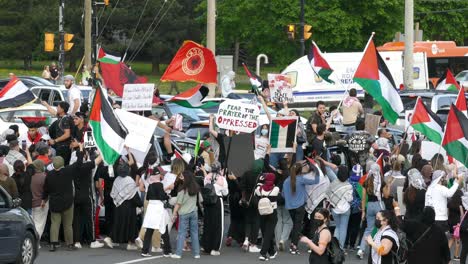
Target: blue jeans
(284,225)
(341,222)
(330,173)
(299,152)
(372,209)
(188,221)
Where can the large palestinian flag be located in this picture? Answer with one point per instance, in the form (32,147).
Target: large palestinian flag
(426,122)
(255,80)
(193,97)
(447,82)
(115,73)
(15,94)
(319,64)
(109,134)
(455,137)
(283,134)
(373,75)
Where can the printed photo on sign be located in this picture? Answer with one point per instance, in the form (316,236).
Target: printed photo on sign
(280,88)
(138,97)
(283,134)
(237,116)
(88,141)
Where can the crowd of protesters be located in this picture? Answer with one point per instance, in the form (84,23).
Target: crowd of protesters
(284,200)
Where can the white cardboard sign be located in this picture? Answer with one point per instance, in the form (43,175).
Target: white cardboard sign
(137,97)
(88,140)
(140,129)
(280,88)
(237,116)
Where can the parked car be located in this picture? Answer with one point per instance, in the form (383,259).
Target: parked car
(462,78)
(57,93)
(19,240)
(12,116)
(29,81)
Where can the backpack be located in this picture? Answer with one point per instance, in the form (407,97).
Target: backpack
(401,256)
(264,205)
(336,255)
(209,195)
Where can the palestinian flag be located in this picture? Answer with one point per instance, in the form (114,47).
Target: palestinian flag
(193,97)
(15,94)
(373,75)
(109,134)
(115,73)
(455,137)
(35,121)
(447,82)
(319,64)
(254,79)
(461,102)
(283,134)
(363,179)
(426,122)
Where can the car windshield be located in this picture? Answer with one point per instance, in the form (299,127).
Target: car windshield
(462,76)
(85,94)
(191,113)
(410,101)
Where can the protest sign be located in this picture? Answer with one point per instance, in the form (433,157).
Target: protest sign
(88,140)
(372,123)
(140,129)
(241,153)
(237,116)
(283,134)
(280,88)
(137,97)
(429,149)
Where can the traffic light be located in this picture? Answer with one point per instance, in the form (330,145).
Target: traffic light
(106,2)
(49,42)
(307,31)
(67,45)
(291,30)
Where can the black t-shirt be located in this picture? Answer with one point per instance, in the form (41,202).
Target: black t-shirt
(360,143)
(78,134)
(317,146)
(103,173)
(222,148)
(156,192)
(82,178)
(316,119)
(54,72)
(64,122)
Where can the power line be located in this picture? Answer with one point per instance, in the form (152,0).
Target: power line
(108,18)
(443,11)
(157,25)
(138,23)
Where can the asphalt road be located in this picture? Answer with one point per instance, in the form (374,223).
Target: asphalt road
(229,255)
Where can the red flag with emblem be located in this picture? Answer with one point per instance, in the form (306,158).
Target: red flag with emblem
(192,62)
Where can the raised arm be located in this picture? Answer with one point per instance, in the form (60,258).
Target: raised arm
(51,110)
(265,107)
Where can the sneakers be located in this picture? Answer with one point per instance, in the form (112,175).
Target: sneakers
(139,243)
(167,255)
(53,247)
(196,257)
(156,250)
(263,258)
(108,242)
(174,256)
(131,247)
(360,254)
(455,258)
(71,247)
(228,241)
(96,244)
(293,250)
(78,245)
(145,255)
(245,245)
(215,253)
(253,249)
(281,245)
(274,255)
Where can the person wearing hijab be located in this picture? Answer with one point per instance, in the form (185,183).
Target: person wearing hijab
(385,240)
(126,199)
(355,217)
(372,187)
(228,84)
(268,222)
(294,193)
(340,194)
(39,214)
(248,184)
(437,194)
(415,195)
(214,213)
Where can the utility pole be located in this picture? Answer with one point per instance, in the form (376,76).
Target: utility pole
(409,42)
(211,35)
(301,28)
(88,32)
(95,34)
(62,40)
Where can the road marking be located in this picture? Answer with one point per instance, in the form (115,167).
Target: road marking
(139,260)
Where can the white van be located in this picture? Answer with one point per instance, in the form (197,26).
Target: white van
(309,87)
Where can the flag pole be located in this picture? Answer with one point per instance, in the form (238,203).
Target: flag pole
(406,129)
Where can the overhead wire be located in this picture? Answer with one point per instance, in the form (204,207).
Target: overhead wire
(136,27)
(108,18)
(147,38)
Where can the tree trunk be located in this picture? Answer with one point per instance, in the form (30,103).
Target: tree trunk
(236,55)
(155,69)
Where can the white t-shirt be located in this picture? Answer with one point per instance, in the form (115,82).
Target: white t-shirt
(74,93)
(261,144)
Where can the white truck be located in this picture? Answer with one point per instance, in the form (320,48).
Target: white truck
(309,87)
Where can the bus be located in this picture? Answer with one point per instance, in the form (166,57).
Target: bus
(440,56)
